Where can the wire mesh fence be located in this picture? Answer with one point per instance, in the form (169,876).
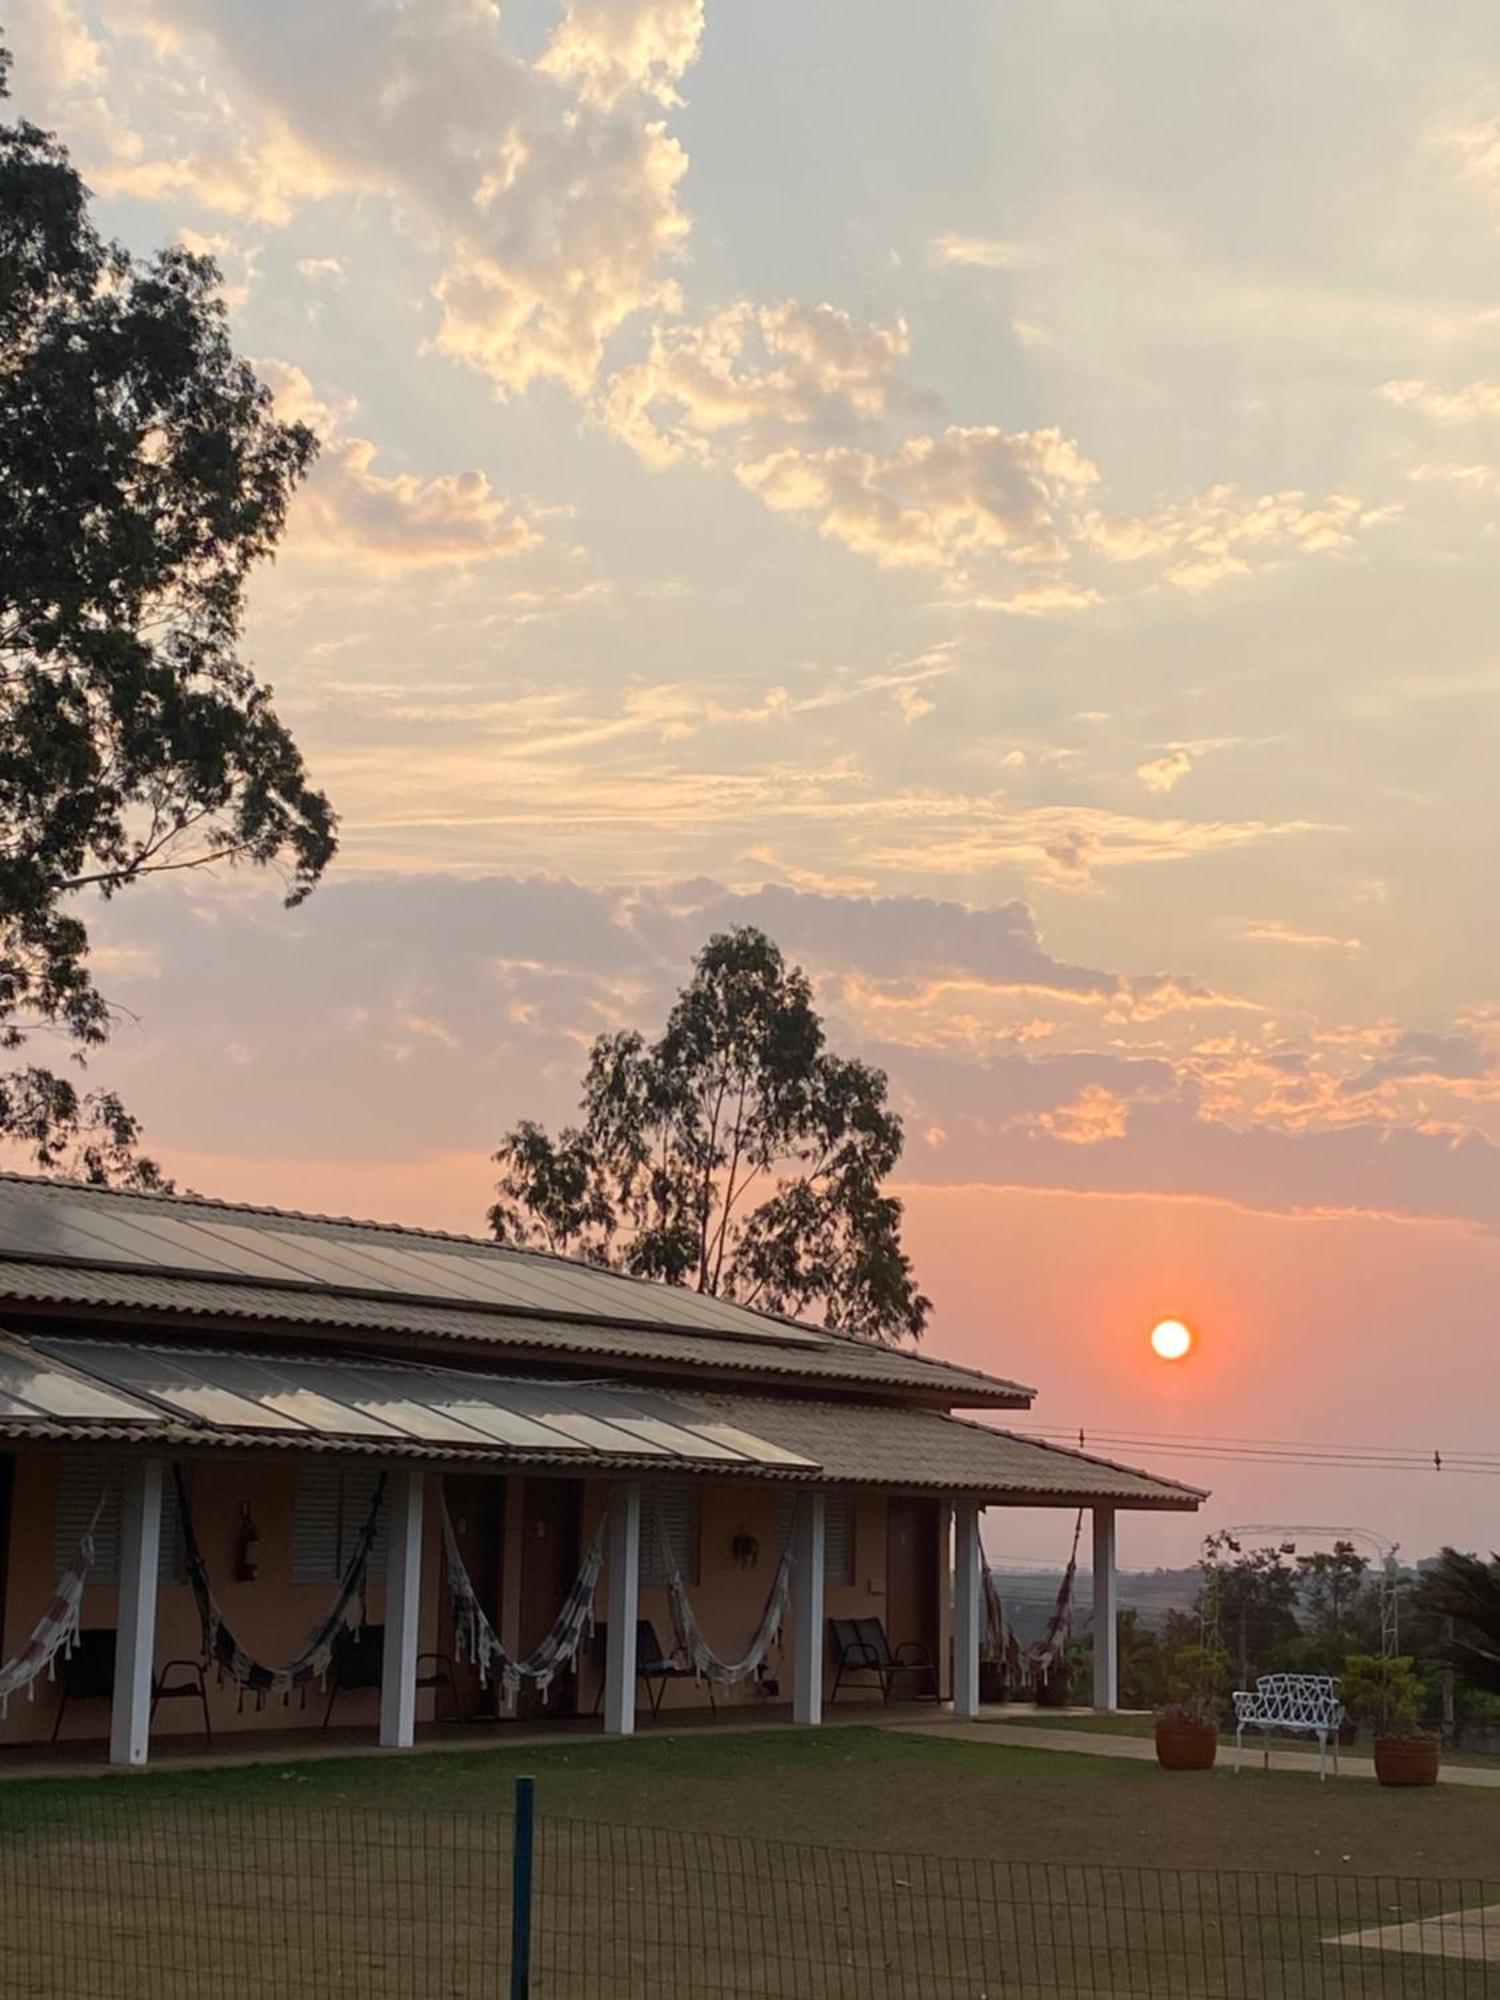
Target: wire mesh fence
(108,1901)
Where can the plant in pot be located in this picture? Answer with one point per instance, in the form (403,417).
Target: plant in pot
(1387,1695)
(1187,1727)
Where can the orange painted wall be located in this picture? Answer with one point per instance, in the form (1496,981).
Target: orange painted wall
(271,1617)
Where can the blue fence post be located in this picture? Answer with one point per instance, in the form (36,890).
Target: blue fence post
(520,1889)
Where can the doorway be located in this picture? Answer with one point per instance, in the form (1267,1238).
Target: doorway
(911,1573)
(476,1507)
(550,1515)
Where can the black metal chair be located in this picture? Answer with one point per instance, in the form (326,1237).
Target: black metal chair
(88,1672)
(359,1662)
(861,1647)
(193,1687)
(652,1666)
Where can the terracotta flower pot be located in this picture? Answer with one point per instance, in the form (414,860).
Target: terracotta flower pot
(1183,1745)
(1407,1760)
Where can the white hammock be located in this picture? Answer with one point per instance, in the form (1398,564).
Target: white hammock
(56,1631)
(477,1639)
(707,1664)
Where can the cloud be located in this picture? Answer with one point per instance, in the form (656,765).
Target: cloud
(1092,1117)
(952,251)
(546,192)
(1477,402)
(317,270)
(1211,537)
(1166,772)
(349,509)
(611,47)
(1271,930)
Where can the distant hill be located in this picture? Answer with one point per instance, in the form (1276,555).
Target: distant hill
(1030,1594)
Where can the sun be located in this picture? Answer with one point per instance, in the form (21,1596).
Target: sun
(1171,1339)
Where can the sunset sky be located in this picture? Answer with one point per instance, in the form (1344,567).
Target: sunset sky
(1005,496)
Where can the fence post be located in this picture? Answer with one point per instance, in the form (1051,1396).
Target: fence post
(520,1889)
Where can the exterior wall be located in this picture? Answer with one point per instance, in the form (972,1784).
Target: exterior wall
(272,1616)
(728,1600)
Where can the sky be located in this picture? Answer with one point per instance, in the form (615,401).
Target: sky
(1004,497)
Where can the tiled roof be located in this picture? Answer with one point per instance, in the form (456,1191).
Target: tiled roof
(558,1310)
(713,1435)
(858,1445)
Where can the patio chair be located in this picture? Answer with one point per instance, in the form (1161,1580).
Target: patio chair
(861,1647)
(192,1686)
(359,1662)
(652,1666)
(88,1672)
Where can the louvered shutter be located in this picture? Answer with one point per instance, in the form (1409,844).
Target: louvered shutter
(838,1533)
(680,1511)
(330,1506)
(83,1479)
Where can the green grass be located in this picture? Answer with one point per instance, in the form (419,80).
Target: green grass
(873,1788)
(1143,1725)
(391,1875)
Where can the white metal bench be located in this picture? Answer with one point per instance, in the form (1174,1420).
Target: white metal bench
(1294,1704)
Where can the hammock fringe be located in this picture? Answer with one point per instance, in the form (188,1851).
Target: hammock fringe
(477,1640)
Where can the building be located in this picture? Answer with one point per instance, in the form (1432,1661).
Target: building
(183,1374)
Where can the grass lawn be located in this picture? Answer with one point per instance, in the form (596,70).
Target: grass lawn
(870,1788)
(763,1865)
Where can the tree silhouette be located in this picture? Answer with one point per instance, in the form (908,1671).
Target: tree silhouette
(734,1155)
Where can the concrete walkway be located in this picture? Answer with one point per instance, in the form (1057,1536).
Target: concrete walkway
(1141,1749)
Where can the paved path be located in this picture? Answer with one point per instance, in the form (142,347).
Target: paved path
(1141,1750)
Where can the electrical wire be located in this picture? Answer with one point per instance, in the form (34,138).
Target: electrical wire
(1275,1451)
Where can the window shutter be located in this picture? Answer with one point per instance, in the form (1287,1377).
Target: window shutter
(315,1522)
(838,1533)
(330,1507)
(83,1479)
(680,1511)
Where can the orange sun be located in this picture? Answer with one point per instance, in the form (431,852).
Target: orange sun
(1171,1339)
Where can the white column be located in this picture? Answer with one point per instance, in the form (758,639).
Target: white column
(809,1567)
(966,1609)
(1106,1612)
(135,1642)
(403,1607)
(624,1609)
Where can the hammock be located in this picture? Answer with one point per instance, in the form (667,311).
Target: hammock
(234,1663)
(1045,1653)
(706,1662)
(477,1640)
(1002,1645)
(56,1631)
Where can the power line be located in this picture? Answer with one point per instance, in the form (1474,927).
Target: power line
(1273,1451)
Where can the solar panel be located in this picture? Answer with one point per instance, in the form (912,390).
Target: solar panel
(78,1225)
(47,1391)
(406,1402)
(173,1378)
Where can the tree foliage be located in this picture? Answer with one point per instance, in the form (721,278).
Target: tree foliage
(1466,1589)
(735,1155)
(142,476)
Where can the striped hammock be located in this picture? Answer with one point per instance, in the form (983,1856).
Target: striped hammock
(476,1638)
(234,1662)
(56,1631)
(707,1664)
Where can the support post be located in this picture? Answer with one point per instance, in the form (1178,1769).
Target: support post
(966,1609)
(403,1607)
(624,1609)
(1106,1613)
(809,1571)
(135,1643)
(520,1889)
